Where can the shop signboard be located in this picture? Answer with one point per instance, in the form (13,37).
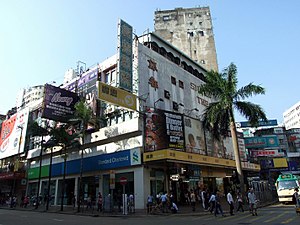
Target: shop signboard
(270,141)
(58,103)
(125,55)
(116,96)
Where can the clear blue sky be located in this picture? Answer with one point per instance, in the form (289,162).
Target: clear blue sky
(40,40)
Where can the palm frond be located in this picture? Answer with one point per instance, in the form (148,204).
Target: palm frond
(252,112)
(249,91)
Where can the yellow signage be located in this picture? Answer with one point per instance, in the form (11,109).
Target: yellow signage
(116,96)
(280,163)
(168,154)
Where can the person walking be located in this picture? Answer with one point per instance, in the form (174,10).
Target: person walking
(149,203)
(203,196)
(240,203)
(252,202)
(230,202)
(193,200)
(295,198)
(164,199)
(99,202)
(212,202)
(218,204)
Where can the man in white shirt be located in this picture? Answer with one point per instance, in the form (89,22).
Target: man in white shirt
(230,202)
(252,202)
(212,202)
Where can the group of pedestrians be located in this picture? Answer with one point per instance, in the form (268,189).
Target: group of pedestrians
(163,202)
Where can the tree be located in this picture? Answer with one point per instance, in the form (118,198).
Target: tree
(35,130)
(65,137)
(83,118)
(219,115)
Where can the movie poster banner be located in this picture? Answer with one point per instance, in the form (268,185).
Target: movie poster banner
(13,133)
(59,103)
(194,136)
(163,130)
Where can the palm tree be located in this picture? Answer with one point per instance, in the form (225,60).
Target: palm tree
(83,117)
(65,137)
(35,130)
(219,115)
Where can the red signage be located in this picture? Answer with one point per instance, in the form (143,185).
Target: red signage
(123,180)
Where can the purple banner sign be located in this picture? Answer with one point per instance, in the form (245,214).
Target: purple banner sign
(58,103)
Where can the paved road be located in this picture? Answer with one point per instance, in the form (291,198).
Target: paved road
(272,215)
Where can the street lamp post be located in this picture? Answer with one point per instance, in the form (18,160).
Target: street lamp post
(158,100)
(40,174)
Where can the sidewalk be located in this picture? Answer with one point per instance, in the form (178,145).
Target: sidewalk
(183,210)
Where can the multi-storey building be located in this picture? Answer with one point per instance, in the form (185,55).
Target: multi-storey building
(191,31)
(153,140)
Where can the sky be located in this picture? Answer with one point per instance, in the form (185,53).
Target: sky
(40,40)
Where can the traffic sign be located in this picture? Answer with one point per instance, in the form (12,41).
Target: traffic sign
(123,180)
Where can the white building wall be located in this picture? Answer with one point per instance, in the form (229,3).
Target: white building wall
(291,117)
(165,70)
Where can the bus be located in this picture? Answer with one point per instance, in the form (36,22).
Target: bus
(285,185)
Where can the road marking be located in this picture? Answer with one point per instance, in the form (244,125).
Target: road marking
(237,217)
(288,220)
(58,220)
(274,218)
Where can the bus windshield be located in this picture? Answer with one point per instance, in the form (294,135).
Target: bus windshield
(287,184)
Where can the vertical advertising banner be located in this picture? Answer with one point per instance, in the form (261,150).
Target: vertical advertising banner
(163,130)
(59,103)
(13,133)
(194,136)
(86,87)
(125,55)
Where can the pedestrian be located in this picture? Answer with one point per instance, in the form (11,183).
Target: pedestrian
(230,202)
(218,208)
(99,202)
(252,202)
(193,200)
(26,201)
(203,196)
(74,200)
(212,202)
(295,198)
(174,208)
(164,199)
(240,203)
(149,203)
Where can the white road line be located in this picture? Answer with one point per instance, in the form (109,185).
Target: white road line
(58,220)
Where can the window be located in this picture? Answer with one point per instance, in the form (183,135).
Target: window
(107,78)
(175,106)
(166,18)
(201,33)
(180,83)
(202,61)
(190,34)
(167,94)
(200,23)
(173,80)
(191,23)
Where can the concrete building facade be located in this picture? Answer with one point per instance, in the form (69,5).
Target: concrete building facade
(191,31)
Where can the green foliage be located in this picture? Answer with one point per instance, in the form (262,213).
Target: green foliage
(222,87)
